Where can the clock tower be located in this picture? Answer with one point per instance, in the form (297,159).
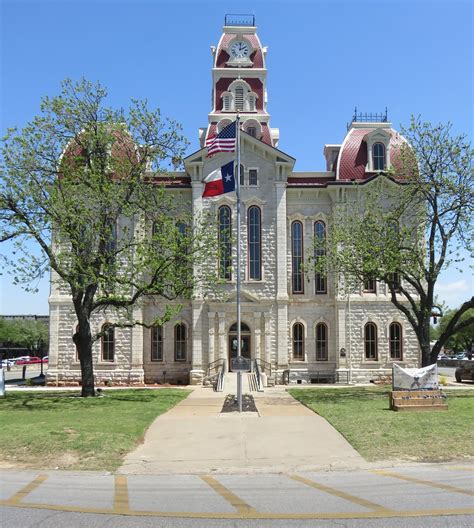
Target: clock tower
(239,79)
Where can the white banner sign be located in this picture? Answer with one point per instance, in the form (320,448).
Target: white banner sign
(2,382)
(415,379)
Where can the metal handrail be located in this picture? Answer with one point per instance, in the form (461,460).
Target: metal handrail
(215,365)
(221,377)
(265,366)
(258,379)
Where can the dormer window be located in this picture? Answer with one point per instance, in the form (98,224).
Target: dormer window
(378,156)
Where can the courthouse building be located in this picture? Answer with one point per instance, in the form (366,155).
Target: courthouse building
(299,326)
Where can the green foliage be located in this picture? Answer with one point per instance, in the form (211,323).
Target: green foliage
(30,334)
(406,226)
(84,183)
(462,339)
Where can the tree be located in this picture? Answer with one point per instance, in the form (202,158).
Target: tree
(462,339)
(82,182)
(408,225)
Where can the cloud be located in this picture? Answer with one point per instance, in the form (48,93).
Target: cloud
(454,293)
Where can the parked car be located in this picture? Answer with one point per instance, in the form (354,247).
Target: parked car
(465,372)
(6,363)
(45,359)
(30,361)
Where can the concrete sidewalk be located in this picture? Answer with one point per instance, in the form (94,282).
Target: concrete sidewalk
(195,437)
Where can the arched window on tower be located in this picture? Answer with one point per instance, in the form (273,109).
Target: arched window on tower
(225,242)
(378,156)
(239,98)
(227,102)
(297,257)
(254,243)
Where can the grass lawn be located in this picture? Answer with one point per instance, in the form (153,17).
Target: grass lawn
(48,430)
(363,417)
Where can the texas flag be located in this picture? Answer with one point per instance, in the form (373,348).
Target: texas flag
(220,181)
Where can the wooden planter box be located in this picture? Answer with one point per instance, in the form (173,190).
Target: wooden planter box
(427,400)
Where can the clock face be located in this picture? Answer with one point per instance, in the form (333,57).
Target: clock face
(240,50)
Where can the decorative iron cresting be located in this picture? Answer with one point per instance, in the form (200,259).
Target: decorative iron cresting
(239,20)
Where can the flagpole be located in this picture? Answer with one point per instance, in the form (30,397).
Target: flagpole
(239,337)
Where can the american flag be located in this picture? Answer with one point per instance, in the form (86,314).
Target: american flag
(223,142)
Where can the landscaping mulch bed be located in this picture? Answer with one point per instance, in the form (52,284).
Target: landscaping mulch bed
(231,404)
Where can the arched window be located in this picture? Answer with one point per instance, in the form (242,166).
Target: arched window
(370,342)
(180,342)
(108,343)
(227,102)
(244,328)
(239,98)
(298,342)
(254,243)
(156,343)
(395,341)
(378,156)
(319,252)
(225,242)
(321,342)
(297,257)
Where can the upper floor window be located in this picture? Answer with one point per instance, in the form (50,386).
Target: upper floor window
(252,177)
(108,343)
(378,156)
(319,252)
(298,342)
(297,257)
(370,286)
(370,342)
(251,130)
(225,242)
(242,175)
(321,342)
(227,102)
(254,243)
(394,281)
(239,98)
(157,343)
(251,103)
(395,341)
(180,342)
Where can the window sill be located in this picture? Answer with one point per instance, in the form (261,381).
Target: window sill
(156,361)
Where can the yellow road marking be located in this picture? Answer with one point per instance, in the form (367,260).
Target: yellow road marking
(341,494)
(240,505)
(456,468)
(251,515)
(121,494)
(20,495)
(445,487)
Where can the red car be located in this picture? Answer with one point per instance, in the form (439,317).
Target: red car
(31,361)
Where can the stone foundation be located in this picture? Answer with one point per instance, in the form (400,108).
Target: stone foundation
(113,378)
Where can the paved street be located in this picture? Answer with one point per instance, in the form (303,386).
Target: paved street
(397,496)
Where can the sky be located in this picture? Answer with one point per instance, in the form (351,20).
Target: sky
(325,58)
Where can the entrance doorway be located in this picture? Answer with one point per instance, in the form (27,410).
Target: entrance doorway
(245,345)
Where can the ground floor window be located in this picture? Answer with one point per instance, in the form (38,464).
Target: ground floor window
(157,343)
(395,341)
(321,342)
(370,342)
(180,342)
(298,342)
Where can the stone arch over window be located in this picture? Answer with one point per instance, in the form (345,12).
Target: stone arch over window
(243,99)
(223,123)
(395,334)
(244,328)
(180,341)
(370,342)
(253,128)
(321,342)
(108,342)
(224,217)
(254,242)
(156,340)
(297,282)
(378,156)
(297,340)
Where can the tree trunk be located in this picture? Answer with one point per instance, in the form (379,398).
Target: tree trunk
(83,340)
